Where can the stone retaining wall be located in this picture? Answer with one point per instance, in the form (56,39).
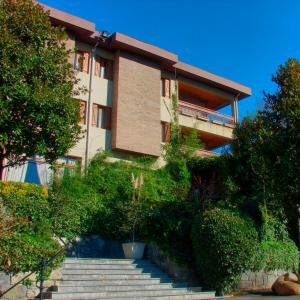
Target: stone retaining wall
(175,270)
(259,280)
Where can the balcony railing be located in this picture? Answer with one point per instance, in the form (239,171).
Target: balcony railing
(205,114)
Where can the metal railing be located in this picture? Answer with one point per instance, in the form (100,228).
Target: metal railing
(205,114)
(40,269)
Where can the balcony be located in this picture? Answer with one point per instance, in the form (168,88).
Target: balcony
(214,128)
(205,114)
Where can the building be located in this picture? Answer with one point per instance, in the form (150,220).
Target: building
(127,107)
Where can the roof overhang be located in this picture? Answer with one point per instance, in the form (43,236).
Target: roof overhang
(125,42)
(214,80)
(69,21)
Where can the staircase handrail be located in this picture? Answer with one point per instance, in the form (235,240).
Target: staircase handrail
(42,267)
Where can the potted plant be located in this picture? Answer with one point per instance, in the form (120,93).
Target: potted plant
(134,249)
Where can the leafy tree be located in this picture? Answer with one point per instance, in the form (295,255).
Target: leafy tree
(266,150)
(37,112)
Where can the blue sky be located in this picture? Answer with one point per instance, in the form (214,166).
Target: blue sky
(243,40)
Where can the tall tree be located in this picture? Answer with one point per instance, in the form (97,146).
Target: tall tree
(38,114)
(267,148)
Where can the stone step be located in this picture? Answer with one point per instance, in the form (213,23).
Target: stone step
(117,294)
(202,296)
(100,261)
(80,282)
(108,266)
(111,279)
(110,271)
(116,287)
(113,276)
(99,266)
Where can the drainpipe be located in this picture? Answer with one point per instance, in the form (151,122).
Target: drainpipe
(93,56)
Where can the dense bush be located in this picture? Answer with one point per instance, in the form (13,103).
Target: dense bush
(113,183)
(73,205)
(224,244)
(277,250)
(169,226)
(99,201)
(276,255)
(23,245)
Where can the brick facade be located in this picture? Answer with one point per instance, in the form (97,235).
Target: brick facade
(136,125)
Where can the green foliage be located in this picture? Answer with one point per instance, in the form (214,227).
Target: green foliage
(179,150)
(266,149)
(169,226)
(72,205)
(181,146)
(101,201)
(277,250)
(30,238)
(277,255)
(181,176)
(224,244)
(38,114)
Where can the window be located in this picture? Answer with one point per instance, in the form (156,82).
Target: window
(166,87)
(165,132)
(82,61)
(67,165)
(104,68)
(101,117)
(82,105)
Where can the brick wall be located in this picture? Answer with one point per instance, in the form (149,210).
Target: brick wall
(136,123)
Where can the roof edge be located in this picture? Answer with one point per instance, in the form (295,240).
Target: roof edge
(227,84)
(69,18)
(126,42)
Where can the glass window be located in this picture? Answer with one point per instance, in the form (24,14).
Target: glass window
(101,116)
(82,61)
(104,68)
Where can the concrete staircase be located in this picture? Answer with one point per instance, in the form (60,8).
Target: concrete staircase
(120,279)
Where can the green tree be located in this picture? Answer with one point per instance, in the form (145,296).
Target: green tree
(267,149)
(38,114)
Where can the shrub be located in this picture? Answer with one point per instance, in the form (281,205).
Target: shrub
(24,244)
(279,256)
(99,201)
(277,250)
(169,226)
(73,205)
(181,176)
(112,183)
(224,244)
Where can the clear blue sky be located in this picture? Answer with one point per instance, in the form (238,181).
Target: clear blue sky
(243,40)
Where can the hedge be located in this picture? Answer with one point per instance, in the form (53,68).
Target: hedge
(224,245)
(28,237)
